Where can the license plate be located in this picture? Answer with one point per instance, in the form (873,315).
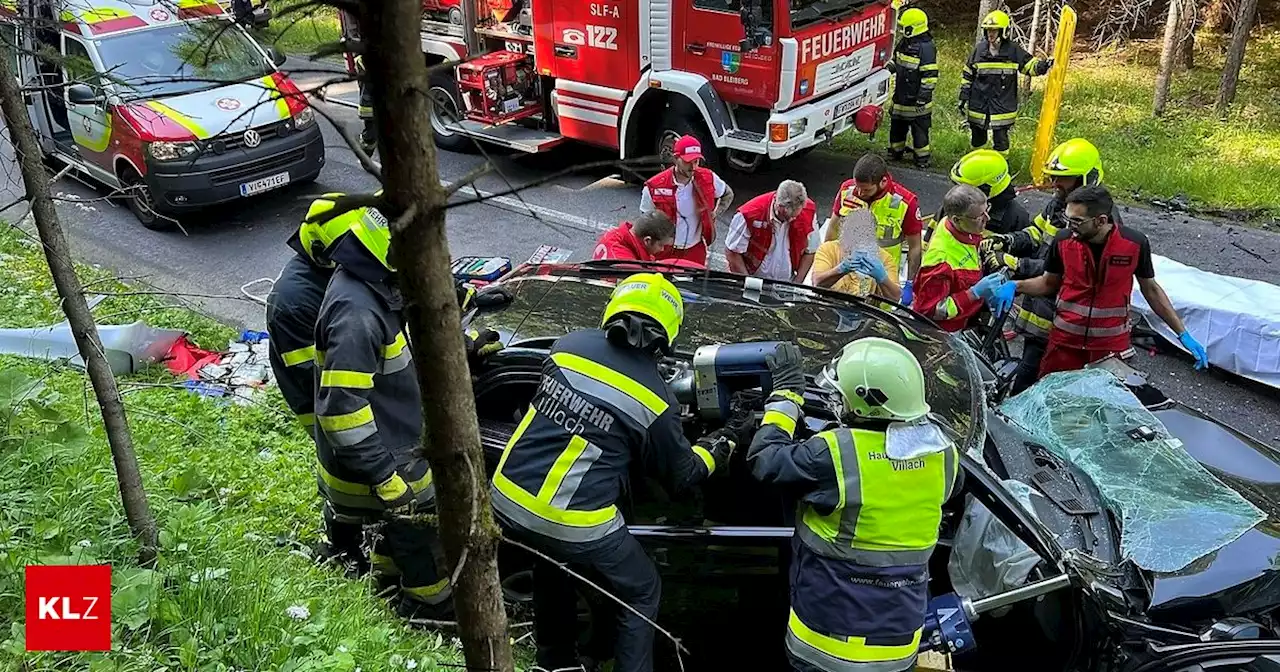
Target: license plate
(848,106)
(265,184)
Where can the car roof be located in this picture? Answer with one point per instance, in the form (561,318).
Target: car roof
(96,18)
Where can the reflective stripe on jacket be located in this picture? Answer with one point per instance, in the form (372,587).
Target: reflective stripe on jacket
(1092,308)
(989,82)
(758,213)
(915,76)
(597,406)
(292,307)
(950,268)
(662,189)
(892,211)
(368,405)
(866,527)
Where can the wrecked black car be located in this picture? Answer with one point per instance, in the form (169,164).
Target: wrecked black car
(1037,551)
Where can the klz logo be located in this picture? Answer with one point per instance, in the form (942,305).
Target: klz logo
(600,37)
(68,608)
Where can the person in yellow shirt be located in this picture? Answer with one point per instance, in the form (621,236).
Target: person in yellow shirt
(859,273)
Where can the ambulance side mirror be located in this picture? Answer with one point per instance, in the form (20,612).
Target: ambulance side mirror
(80,94)
(277,57)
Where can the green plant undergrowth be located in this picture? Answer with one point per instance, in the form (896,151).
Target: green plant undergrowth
(233,491)
(301,30)
(1231,164)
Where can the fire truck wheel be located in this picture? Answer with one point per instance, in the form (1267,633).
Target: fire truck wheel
(142,203)
(445,107)
(675,125)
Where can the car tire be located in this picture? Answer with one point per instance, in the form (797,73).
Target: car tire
(445,106)
(674,124)
(141,203)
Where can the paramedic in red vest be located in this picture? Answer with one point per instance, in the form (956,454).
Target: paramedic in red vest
(641,241)
(897,214)
(692,196)
(773,235)
(1091,267)
(951,287)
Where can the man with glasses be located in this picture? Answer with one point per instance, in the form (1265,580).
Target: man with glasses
(950,288)
(1091,267)
(772,235)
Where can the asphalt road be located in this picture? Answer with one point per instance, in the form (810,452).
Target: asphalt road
(240,243)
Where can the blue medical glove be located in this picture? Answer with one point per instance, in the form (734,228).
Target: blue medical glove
(867,264)
(985,288)
(847,266)
(1002,301)
(907,294)
(1190,343)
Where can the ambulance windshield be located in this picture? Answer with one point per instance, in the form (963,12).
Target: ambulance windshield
(180,58)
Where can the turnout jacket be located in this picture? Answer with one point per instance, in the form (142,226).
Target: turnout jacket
(292,307)
(368,405)
(989,83)
(915,62)
(598,407)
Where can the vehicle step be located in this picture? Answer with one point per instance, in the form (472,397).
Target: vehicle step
(746,136)
(528,140)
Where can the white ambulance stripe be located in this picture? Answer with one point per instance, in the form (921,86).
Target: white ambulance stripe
(589,104)
(589,116)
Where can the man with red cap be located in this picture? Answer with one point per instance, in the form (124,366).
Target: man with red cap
(651,234)
(692,196)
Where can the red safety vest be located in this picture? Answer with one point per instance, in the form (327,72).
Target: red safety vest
(1092,310)
(621,243)
(662,188)
(758,212)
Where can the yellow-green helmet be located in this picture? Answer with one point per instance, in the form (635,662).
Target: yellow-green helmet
(316,236)
(985,169)
(651,295)
(880,379)
(913,22)
(997,20)
(1076,157)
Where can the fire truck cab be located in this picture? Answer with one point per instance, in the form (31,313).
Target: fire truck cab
(754,79)
(171,104)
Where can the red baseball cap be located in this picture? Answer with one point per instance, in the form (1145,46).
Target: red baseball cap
(688,148)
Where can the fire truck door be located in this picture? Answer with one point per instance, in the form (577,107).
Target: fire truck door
(706,42)
(593,42)
(89,122)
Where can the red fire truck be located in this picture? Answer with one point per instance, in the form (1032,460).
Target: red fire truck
(755,79)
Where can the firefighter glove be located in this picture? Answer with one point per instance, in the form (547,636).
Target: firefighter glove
(785,368)
(720,444)
(395,494)
(1046,65)
(994,262)
(492,297)
(481,344)
(891,66)
(996,242)
(1193,346)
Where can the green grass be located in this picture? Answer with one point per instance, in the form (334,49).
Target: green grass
(232,489)
(1231,164)
(301,31)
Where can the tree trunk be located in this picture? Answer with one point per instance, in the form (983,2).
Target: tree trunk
(1165,74)
(58,255)
(398,78)
(1031,43)
(1235,54)
(985,8)
(1188,23)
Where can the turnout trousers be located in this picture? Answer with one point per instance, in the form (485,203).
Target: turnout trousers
(918,128)
(619,565)
(1028,370)
(999,137)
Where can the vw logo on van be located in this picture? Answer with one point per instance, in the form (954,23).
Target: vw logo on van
(251,138)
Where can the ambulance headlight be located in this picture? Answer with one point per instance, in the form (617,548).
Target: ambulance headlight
(164,150)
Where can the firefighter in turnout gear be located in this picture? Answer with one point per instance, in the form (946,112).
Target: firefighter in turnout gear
(368,133)
(369,416)
(915,67)
(1073,164)
(988,170)
(292,308)
(989,83)
(871,496)
(600,405)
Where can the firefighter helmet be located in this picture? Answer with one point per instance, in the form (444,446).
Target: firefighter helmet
(1076,157)
(371,228)
(880,379)
(997,20)
(651,295)
(318,233)
(985,169)
(913,22)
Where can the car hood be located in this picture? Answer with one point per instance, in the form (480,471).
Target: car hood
(553,300)
(1242,577)
(233,108)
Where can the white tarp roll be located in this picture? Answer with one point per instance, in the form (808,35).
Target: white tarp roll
(1237,320)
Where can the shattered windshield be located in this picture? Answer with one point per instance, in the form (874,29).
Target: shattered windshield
(1173,510)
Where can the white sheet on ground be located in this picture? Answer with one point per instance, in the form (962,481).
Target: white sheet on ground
(1237,320)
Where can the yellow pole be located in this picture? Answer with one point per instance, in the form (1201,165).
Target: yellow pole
(1053,93)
